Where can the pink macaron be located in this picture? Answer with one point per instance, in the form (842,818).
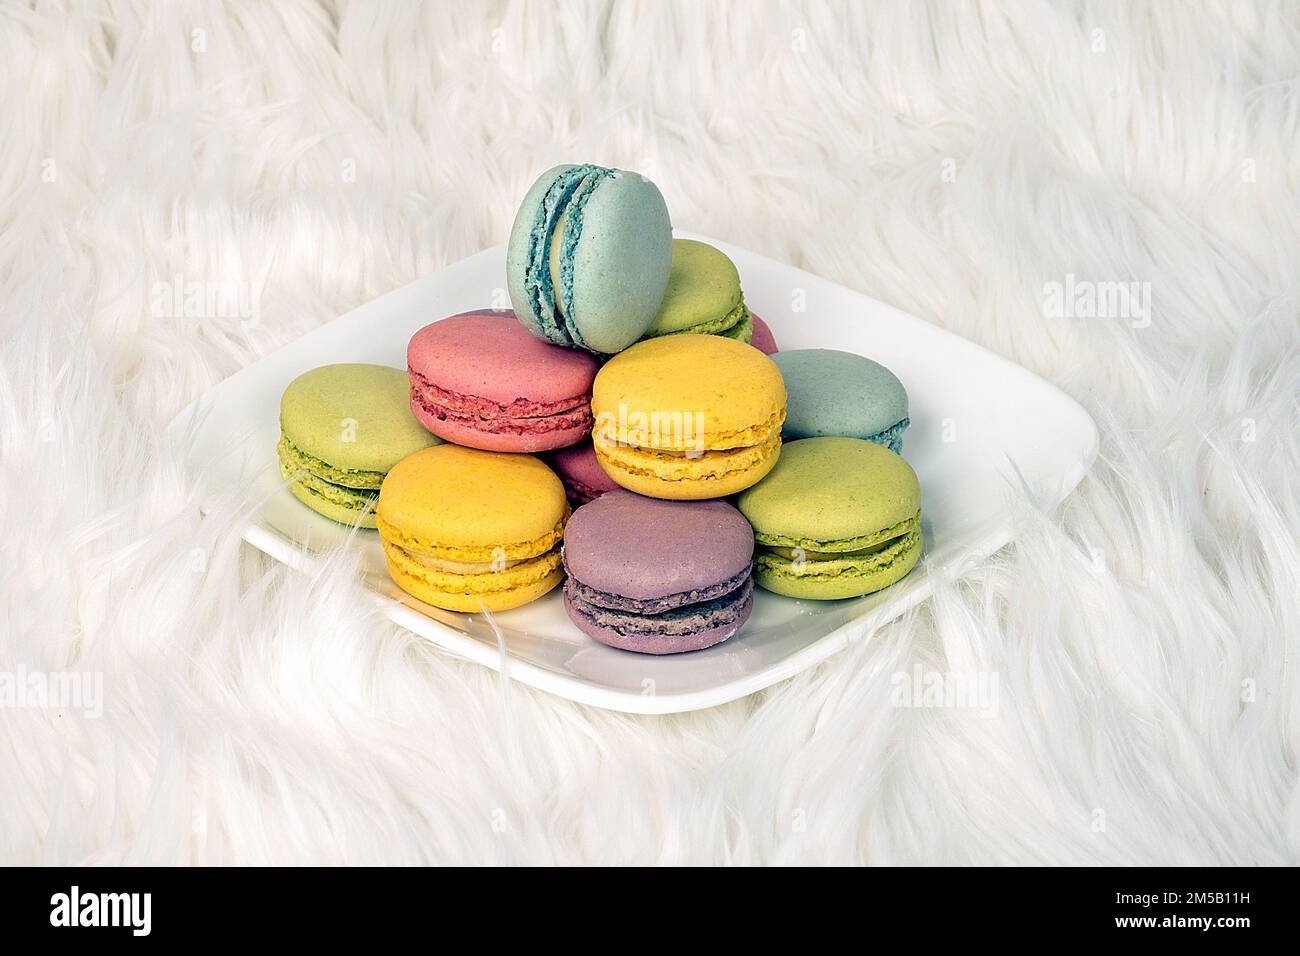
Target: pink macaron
(480,379)
(584,479)
(761,338)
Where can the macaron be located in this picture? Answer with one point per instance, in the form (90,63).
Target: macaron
(836,518)
(468,530)
(703,295)
(342,427)
(688,416)
(843,394)
(584,479)
(480,379)
(589,256)
(762,338)
(658,577)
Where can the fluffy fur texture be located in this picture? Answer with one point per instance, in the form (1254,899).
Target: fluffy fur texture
(950,159)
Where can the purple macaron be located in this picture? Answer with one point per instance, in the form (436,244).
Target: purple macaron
(658,577)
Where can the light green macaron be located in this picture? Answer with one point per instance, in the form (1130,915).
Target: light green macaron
(703,295)
(836,518)
(342,427)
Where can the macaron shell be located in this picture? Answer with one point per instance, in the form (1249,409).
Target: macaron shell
(489,355)
(840,393)
(642,548)
(620,263)
(463,503)
(703,292)
(761,337)
(731,394)
(353,417)
(845,578)
(832,494)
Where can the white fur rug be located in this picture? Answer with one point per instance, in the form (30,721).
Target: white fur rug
(953,159)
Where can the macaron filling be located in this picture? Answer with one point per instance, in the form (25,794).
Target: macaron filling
(735,324)
(676,432)
(572,230)
(461,567)
(538,281)
(312,481)
(510,576)
(584,595)
(742,330)
(805,558)
(559,219)
(470,570)
(672,465)
(842,545)
(519,417)
(311,486)
(295,460)
(472,553)
(767,563)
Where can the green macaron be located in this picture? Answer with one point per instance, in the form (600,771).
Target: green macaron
(836,518)
(703,295)
(342,427)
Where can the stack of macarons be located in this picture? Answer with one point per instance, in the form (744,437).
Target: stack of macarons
(629,427)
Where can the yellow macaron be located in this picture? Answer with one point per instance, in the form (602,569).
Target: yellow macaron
(688,416)
(468,530)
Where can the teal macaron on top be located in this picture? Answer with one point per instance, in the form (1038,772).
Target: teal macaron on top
(589,257)
(834,393)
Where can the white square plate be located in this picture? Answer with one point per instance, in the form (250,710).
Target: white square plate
(979,425)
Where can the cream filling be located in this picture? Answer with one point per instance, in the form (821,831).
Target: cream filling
(806,555)
(462,567)
(554,258)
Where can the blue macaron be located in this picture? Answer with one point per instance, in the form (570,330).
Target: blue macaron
(589,257)
(832,393)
